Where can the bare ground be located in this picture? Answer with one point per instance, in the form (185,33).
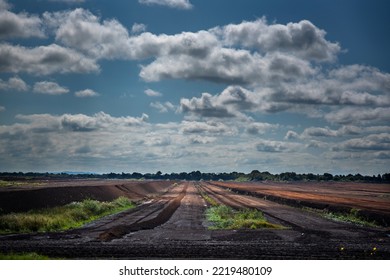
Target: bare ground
(170,223)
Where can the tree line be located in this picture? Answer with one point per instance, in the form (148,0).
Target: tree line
(255,175)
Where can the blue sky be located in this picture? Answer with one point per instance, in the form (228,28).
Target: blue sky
(183,85)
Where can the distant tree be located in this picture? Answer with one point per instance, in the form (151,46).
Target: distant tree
(327,177)
(386,177)
(255,175)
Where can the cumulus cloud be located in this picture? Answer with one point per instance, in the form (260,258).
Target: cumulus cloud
(50,88)
(230,66)
(333,96)
(205,54)
(14,83)
(302,39)
(270,146)
(349,85)
(86,93)
(22,25)
(82,30)
(234,101)
(205,127)
(44,60)
(291,135)
(373,142)
(205,106)
(365,116)
(2,108)
(177,4)
(138,28)
(109,39)
(76,122)
(152,93)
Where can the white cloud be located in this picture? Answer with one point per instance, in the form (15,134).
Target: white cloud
(365,116)
(50,88)
(14,83)
(373,142)
(201,55)
(163,107)
(319,132)
(77,122)
(202,140)
(2,108)
(138,28)
(86,93)
(80,29)
(178,4)
(44,60)
(152,93)
(230,66)
(205,127)
(109,39)
(4,5)
(291,135)
(270,146)
(303,39)
(234,101)
(205,106)
(260,128)
(20,25)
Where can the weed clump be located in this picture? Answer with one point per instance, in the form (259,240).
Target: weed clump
(224,217)
(61,218)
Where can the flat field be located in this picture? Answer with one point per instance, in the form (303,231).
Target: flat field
(313,220)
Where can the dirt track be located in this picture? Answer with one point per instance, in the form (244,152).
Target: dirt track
(170,224)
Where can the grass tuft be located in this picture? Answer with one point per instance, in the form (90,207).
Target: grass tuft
(224,217)
(70,216)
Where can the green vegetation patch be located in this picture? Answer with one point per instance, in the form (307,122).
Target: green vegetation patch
(23,256)
(224,217)
(348,217)
(351,217)
(70,216)
(19,183)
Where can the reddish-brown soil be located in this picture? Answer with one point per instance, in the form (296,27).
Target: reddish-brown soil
(170,222)
(372,200)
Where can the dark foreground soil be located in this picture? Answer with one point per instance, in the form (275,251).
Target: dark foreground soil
(169,223)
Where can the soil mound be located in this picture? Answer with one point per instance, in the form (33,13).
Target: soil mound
(56,194)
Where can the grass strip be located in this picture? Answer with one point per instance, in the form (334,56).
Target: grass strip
(24,256)
(19,183)
(207,198)
(225,217)
(348,217)
(60,218)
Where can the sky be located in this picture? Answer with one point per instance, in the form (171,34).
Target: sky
(184,85)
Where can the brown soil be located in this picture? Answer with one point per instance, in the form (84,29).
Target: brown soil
(372,200)
(57,193)
(170,222)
